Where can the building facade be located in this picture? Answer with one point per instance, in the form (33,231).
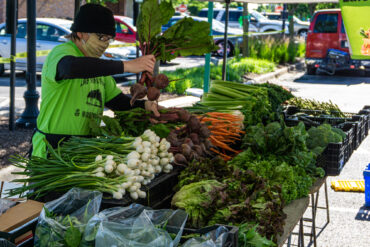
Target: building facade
(62,8)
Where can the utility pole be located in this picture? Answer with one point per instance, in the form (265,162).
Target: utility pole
(31,96)
(245,22)
(11,28)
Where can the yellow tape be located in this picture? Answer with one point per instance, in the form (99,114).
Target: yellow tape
(23,55)
(123,45)
(249,33)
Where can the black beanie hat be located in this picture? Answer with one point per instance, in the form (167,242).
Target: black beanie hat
(94,18)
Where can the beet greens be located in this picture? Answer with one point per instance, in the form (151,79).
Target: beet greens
(187,37)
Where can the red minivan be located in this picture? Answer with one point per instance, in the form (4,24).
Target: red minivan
(125,29)
(327,45)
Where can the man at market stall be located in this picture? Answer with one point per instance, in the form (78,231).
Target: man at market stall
(77,84)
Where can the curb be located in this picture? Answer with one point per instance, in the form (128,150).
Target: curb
(272,75)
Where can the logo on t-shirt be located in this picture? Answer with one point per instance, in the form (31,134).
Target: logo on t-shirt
(94,98)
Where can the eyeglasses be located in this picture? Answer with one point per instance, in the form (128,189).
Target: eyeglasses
(104,37)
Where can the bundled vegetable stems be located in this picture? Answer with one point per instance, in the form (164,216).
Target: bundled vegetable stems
(111,165)
(225,130)
(328,108)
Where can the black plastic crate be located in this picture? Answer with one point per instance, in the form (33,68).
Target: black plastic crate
(349,129)
(366,113)
(362,120)
(14,234)
(232,237)
(159,192)
(333,158)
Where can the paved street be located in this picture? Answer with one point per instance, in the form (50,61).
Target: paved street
(349,219)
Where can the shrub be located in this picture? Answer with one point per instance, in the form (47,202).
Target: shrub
(236,68)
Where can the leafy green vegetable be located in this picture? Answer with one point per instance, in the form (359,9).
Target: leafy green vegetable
(73,236)
(277,94)
(321,136)
(193,198)
(249,237)
(161,130)
(152,17)
(187,37)
(207,169)
(237,196)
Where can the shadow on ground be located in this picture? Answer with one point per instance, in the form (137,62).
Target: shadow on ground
(340,78)
(363,214)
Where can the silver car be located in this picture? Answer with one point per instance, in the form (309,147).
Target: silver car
(258,22)
(50,32)
(300,27)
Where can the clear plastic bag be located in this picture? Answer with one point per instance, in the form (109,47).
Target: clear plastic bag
(215,238)
(62,222)
(5,204)
(6,243)
(135,226)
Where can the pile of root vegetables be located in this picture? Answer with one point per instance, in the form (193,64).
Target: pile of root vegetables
(190,142)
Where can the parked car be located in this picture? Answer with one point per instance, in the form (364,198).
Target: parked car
(300,27)
(50,32)
(218,31)
(125,29)
(327,46)
(258,22)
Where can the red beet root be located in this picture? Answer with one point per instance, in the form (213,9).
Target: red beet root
(161,81)
(137,91)
(153,93)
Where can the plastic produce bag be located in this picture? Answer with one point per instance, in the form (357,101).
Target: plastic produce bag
(63,221)
(215,238)
(6,243)
(135,226)
(5,204)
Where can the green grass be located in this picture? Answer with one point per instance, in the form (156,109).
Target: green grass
(236,68)
(275,49)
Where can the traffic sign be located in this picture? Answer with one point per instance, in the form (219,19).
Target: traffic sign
(183,8)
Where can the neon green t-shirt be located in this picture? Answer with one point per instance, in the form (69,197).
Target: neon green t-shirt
(67,105)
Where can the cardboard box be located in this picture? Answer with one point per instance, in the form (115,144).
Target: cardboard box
(19,215)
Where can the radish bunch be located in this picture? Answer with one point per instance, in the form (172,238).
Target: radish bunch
(150,157)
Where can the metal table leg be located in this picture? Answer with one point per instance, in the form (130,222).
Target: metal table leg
(301,233)
(327,203)
(313,219)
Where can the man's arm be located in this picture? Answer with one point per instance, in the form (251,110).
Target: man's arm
(70,67)
(122,103)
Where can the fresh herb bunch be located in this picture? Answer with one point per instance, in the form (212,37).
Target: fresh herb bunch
(317,108)
(277,94)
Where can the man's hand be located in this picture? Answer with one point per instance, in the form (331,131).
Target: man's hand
(141,64)
(153,107)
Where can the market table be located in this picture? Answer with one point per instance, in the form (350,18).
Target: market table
(315,189)
(294,212)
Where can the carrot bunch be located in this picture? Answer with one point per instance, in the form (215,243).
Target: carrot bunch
(225,130)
